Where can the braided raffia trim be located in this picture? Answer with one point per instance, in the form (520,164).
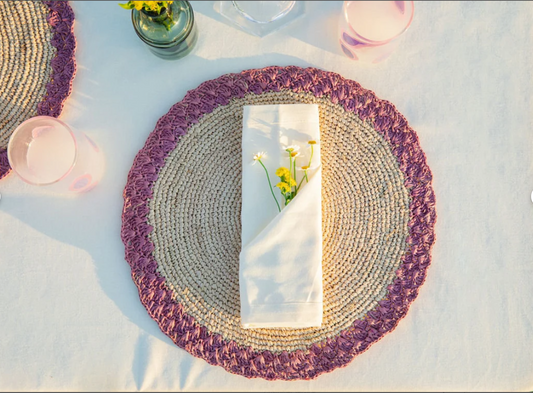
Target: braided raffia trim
(61,19)
(4,163)
(320,357)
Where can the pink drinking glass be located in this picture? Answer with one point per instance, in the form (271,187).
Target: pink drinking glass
(369,31)
(45,151)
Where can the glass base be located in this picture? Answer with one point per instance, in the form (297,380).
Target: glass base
(177,51)
(364,52)
(229,11)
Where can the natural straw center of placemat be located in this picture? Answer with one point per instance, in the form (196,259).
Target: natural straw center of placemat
(27,51)
(195,213)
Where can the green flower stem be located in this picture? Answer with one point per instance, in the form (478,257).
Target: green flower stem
(168,24)
(270,184)
(301,181)
(290,169)
(305,172)
(294,170)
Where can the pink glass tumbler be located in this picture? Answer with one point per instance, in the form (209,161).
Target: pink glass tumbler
(369,31)
(45,151)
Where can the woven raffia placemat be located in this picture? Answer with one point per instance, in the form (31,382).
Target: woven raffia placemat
(181,222)
(37,64)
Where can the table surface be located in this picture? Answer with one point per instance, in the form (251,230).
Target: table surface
(71,316)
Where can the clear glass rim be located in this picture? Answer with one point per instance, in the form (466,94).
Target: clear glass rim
(252,19)
(53,119)
(358,36)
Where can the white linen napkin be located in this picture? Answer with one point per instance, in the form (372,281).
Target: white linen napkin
(280,271)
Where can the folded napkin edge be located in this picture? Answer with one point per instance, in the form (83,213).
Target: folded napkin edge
(295,315)
(317,177)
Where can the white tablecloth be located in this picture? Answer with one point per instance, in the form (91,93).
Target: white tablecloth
(70,314)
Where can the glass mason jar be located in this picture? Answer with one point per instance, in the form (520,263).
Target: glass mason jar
(171,34)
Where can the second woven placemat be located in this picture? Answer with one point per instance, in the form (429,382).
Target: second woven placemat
(181,223)
(37,48)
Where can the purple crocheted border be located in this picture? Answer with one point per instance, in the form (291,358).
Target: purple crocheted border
(323,357)
(61,19)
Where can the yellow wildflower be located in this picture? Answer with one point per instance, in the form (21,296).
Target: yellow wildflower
(282,172)
(292,182)
(284,187)
(154,6)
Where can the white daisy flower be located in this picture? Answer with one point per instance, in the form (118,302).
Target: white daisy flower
(259,156)
(306,168)
(291,148)
(295,154)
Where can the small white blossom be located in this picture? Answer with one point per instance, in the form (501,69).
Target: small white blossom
(291,148)
(295,154)
(259,156)
(307,168)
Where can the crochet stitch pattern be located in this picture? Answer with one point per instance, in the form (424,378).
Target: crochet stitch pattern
(39,45)
(378,230)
